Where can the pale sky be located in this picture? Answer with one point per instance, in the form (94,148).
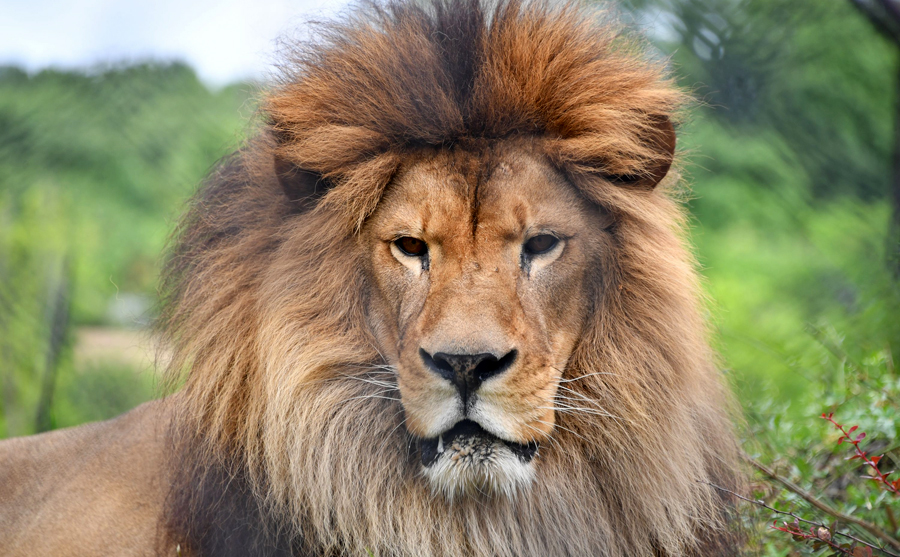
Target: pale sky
(223,41)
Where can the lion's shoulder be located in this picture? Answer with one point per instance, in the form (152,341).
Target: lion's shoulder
(85,490)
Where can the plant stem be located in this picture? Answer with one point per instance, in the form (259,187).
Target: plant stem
(828,509)
(761,503)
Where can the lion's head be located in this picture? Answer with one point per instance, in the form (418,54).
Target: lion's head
(481,262)
(441,304)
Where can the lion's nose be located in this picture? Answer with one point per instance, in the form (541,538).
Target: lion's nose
(467,371)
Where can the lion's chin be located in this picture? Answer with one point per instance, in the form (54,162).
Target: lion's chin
(466,460)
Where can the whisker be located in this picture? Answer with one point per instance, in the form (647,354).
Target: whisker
(375,382)
(561,380)
(377,351)
(374,395)
(581,398)
(550,437)
(590,401)
(578,399)
(373,371)
(575,407)
(576,393)
(564,429)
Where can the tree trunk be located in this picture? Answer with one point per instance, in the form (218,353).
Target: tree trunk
(893,247)
(58,323)
(884,15)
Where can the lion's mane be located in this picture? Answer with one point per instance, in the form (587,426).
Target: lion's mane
(282,442)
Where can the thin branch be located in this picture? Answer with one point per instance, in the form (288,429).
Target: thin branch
(814,534)
(825,508)
(889,31)
(891,518)
(892,9)
(761,503)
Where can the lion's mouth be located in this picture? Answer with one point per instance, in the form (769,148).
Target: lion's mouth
(468,440)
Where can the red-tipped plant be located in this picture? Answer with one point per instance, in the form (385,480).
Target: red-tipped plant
(820,537)
(877,476)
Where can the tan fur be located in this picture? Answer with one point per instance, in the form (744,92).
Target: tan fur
(92,490)
(295,330)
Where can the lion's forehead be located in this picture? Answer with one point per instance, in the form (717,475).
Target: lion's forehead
(498,194)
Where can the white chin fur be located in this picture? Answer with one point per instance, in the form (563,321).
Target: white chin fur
(484,468)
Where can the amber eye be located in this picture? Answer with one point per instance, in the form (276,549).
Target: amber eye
(540,244)
(411,246)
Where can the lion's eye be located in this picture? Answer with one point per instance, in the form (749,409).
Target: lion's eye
(540,244)
(411,246)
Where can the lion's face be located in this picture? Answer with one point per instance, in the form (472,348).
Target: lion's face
(482,265)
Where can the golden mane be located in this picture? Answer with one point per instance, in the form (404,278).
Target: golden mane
(265,303)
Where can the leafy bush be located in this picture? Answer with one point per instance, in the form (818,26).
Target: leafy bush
(94,168)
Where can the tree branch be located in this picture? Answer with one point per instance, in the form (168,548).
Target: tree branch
(761,503)
(827,509)
(878,20)
(892,9)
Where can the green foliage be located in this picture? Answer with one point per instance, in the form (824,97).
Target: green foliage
(791,171)
(94,169)
(782,266)
(100,391)
(806,317)
(805,450)
(814,72)
(121,149)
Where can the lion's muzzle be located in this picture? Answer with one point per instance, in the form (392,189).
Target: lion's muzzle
(466,459)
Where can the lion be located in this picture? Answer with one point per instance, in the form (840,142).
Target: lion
(441,304)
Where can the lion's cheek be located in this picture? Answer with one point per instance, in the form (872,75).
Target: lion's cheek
(431,407)
(516,409)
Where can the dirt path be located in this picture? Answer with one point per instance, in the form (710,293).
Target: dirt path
(98,345)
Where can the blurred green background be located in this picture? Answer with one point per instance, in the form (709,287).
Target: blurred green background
(789,158)
(95,168)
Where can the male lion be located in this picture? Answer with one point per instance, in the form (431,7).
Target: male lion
(440,306)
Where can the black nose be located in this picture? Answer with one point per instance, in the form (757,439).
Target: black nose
(467,371)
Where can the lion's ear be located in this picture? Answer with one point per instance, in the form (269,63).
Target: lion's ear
(661,139)
(303,188)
